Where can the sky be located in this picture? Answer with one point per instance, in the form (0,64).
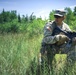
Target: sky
(37,7)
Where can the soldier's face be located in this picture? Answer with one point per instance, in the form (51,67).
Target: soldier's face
(59,20)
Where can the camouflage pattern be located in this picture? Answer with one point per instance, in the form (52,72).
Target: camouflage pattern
(48,30)
(60,13)
(49,51)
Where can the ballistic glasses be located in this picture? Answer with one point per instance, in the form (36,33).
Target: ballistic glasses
(56,16)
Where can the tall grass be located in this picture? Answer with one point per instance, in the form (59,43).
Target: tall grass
(17,53)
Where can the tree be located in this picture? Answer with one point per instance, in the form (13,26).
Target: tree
(51,15)
(32,17)
(5,16)
(19,18)
(75,11)
(26,18)
(13,14)
(69,15)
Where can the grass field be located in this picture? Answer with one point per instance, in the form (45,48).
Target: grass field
(17,51)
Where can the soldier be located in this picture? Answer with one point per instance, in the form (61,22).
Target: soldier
(52,44)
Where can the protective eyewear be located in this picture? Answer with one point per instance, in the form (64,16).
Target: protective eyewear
(56,16)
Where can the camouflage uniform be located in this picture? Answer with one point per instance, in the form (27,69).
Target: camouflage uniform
(48,30)
(48,51)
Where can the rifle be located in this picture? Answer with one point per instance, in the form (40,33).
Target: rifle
(69,34)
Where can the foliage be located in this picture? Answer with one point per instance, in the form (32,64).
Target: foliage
(69,15)
(35,27)
(19,18)
(11,22)
(75,11)
(19,54)
(51,15)
(7,16)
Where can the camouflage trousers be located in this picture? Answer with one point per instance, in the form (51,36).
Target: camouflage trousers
(48,52)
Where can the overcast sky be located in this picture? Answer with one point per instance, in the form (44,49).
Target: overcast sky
(39,7)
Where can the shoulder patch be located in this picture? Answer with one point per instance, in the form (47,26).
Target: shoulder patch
(49,28)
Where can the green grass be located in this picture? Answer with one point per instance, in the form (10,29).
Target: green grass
(17,53)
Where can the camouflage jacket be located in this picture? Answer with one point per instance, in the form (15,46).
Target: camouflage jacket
(48,30)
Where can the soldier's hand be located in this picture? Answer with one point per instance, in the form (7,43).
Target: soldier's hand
(74,41)
(61,39)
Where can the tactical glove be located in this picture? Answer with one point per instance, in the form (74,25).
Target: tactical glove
(61,39)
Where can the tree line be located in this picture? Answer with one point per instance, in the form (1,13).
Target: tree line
(11,22)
